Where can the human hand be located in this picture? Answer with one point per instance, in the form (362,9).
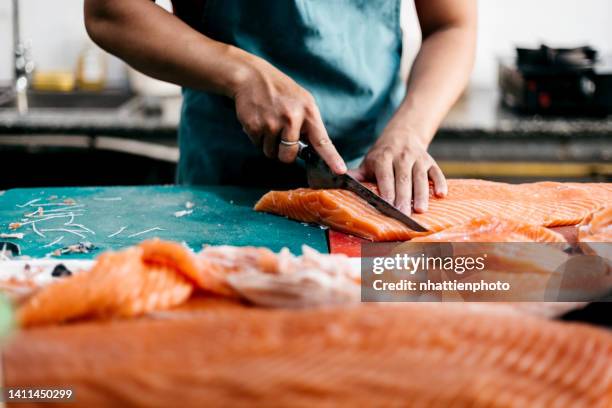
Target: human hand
(402,168)
(276,112)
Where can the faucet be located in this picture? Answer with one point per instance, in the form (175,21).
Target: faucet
(23,63)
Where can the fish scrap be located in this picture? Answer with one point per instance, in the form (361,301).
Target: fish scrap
(80,248)
(16,235)
(145,232)
(119,231)
(54,242)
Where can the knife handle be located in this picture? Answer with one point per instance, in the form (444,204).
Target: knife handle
(307,153)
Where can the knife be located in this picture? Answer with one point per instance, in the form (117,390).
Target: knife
(319,175)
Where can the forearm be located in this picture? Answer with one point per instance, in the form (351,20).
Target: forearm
(159,44)
(269,104)
(439,75)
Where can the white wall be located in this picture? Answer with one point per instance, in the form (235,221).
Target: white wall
(56,30)
(57,34)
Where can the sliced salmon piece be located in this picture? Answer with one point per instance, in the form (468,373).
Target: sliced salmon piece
(157,275)
(339,209)
(204,274)
(171,255)
(545,204)
(217,262)
(494,229)
(209,269)
(595,234)
(234,259)
(597,227)
(269,279)
(530,258)
(421,355)
(119,284)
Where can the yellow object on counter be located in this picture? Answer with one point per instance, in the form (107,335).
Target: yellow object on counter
(53,81)
(486,169)
(91,68)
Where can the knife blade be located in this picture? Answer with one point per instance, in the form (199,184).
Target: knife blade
(319,175)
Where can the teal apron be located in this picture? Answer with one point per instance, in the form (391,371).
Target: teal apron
(345,52)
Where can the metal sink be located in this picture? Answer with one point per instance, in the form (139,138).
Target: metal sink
(76,100)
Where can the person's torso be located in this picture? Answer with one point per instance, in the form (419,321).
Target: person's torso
(345,52)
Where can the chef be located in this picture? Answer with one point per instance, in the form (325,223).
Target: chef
(258,76)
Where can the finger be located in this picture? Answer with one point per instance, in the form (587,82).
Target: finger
(403,186)
(291,133)
(359,174)
(252,126)
(320,141)
(383,170)
(270,145)
(420,184)
(439,181)
(255,136)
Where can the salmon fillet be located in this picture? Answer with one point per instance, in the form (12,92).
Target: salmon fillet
(494,229)
(545,204)
(600,190)
(426,355)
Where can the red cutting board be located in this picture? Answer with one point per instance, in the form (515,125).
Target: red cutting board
(341,243)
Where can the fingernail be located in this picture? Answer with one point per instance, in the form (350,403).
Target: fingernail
(420,207)
(341,166)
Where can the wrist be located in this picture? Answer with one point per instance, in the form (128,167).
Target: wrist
(415,123)
(403,133)
(241,69)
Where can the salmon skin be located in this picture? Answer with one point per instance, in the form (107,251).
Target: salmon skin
(546,204)
(401,355)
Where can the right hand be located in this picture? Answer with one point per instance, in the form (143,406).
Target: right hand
(272,107)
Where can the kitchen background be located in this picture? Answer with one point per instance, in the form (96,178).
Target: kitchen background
(478,138)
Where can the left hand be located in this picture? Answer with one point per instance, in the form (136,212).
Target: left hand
(400,165)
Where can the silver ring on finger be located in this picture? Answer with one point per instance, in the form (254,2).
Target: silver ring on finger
(289,143)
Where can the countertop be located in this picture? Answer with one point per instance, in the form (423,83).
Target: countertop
(476,128)
(479,112)
(128,120)
(479,128)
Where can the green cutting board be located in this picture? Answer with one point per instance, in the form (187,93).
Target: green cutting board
(221,216)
